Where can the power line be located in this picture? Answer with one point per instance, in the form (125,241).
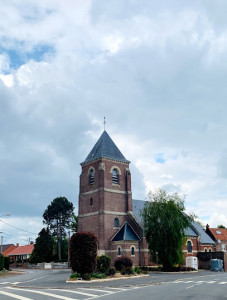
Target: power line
(17,227)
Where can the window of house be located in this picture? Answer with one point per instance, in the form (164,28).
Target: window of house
(189,246)
(210,250)
(91,201)
(133,250)
(115,176)
(116,222)
(205,249)
(119,251)
(91,176)
(223,247)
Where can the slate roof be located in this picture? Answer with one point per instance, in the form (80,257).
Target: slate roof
(4,247)
(219,236)
(195,229)
(105,148)
(126,233)
(22,250)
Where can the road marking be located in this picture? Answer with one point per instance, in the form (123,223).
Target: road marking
(103,291)
(212,281)
(119,289)
(15,296)
(31,279)
(222,282)
(75,292)
(42,293)
(189,281)
(6,282)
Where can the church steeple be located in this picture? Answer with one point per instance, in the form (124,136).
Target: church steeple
(105,148)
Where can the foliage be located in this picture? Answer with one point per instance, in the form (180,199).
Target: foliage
(74,224)
(103,264)
(75,275)
(98,275)
(43,248)
(137,270)
(83,252)
(164,225)
(1,262)
(221,226)
(112,271)
(122,263)
(6,263)
(86,276)
(172,269)
(127,271)
(57,217)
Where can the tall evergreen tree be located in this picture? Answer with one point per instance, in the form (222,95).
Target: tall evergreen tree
(58,216)
(43,248)
(164,224)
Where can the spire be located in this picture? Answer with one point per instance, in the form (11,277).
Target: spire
(105,148)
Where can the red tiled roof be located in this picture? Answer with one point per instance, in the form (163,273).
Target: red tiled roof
(22,250)
(219,236)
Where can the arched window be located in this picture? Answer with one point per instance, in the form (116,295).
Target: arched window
(210,250)
(189,246)
(91,176)
(118,250)
(133,250)
(205,249)
(116,222)
(115,176)
(91,202)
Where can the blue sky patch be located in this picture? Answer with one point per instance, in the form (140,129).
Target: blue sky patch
(18,58)
(159,158)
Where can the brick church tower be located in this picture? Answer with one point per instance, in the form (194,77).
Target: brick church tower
(105,199)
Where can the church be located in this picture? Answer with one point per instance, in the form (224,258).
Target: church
(106,208)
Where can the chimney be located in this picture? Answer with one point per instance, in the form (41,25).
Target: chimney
(17,244)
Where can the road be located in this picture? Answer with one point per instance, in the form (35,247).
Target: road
(51,284)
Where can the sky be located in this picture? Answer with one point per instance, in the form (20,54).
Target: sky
(155,69)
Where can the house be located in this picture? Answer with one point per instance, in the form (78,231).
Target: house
(106,207)
(219,236)
(5,249)
(21,253)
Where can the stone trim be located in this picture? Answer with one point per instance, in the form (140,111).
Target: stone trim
(105,158)
(106,212)
(105,190)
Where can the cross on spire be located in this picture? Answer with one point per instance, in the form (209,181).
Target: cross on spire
(104,123)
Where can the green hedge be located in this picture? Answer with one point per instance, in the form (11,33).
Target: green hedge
(1,262)
(6,263)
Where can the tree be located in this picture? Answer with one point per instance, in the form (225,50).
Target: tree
(43,248)
(74,224)
(164,224)
(221,226)
(58,216)
(83,252)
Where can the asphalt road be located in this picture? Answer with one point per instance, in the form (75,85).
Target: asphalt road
(51,284)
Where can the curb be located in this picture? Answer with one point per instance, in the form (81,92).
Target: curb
(105,279)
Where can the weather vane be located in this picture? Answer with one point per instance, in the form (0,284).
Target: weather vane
(104,123)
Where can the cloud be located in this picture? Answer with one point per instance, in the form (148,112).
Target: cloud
(156,71)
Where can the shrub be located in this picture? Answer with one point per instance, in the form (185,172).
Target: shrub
(103,264)
(127,270)
(98,275)
(6,263)
(122,263)
(75,275)
(83,252)
(138,270)
(1,262)
(112,272)
(86,276)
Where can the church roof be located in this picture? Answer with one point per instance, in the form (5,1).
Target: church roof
(105,148)
(125,233)
(194,229)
